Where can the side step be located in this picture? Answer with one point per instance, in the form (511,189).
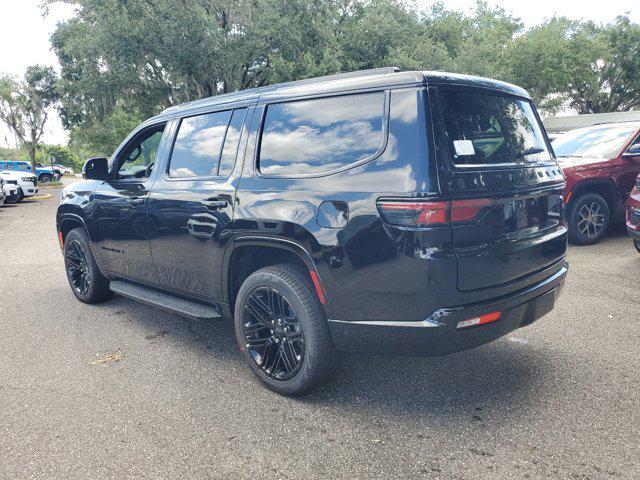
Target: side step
(164,301)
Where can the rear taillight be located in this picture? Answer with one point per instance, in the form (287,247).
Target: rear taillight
(467,210)
(415,213)
(429,213)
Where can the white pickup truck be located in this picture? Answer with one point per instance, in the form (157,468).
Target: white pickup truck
(8,192)
(24,183)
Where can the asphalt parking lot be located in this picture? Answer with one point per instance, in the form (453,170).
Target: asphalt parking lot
(120,390)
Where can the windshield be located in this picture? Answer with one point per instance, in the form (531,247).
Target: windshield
(602,141)
(485,129)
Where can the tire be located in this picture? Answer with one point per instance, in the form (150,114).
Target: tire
(20,194)
(636,243)
(589,219)
(80,262)
(45,178)
(263,339)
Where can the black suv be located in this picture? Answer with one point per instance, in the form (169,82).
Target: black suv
(385,212)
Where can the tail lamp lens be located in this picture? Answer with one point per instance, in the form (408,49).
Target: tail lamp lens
(432,213)
(415,213)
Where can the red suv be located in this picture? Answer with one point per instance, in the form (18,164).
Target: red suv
(601,164)
(633,214)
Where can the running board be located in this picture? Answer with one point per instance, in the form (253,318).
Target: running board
(164,301)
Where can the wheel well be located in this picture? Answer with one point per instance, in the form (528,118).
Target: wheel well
(248,259)
(603,188)
(69,224)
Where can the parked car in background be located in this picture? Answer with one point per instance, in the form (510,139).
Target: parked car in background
(64,170)
(408,213)
(601,164)
(25,182)
(633,214)
(44,173)
(3,195)
(9,191)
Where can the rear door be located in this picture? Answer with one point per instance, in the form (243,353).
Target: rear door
(191,204)
(505,188)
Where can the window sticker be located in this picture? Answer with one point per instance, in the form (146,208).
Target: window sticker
(464,147)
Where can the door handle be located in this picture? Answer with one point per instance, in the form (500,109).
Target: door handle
(136,201)
(213,203)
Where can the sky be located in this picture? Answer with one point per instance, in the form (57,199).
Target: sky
(27,31)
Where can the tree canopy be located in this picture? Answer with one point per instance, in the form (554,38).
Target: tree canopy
(125,60)
(24,105)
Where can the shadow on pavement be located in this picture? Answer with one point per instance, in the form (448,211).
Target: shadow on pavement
(501,374)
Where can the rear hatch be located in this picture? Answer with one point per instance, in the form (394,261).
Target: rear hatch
(505,188)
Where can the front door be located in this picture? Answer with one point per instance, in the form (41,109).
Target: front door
(120,227)
(191,204)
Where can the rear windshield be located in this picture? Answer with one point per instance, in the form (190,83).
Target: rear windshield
(603,141)
(485,129)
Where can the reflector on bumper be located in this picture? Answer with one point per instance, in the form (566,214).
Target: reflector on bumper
(481,320)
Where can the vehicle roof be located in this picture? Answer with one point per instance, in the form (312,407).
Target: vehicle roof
(379,77)
(631,125)
(561,124)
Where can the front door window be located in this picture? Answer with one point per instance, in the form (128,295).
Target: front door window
(138,158)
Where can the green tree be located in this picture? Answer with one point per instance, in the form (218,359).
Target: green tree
(24,105)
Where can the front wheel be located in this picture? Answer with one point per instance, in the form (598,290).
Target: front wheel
(86,281)
(46,178)
(282,330)
(589,219)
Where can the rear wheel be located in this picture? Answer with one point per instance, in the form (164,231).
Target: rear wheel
(45,178)
(636,243)
(282,331)
(589,219)
(86,281)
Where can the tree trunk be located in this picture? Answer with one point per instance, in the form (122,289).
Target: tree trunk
(32,156)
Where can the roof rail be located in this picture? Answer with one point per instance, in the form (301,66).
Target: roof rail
(306,81)
(339,76)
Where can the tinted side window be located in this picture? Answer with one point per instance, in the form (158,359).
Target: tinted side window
(320,135)
(231,142)
(198,145)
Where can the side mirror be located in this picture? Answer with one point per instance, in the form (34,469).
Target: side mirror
(96,169)
(633,151)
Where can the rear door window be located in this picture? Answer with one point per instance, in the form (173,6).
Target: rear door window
(485,129)
(198,145)
(321,135)
(231,143)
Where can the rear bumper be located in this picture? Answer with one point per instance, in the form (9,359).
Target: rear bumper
(438,334)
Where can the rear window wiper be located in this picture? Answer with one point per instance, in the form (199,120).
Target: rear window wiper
(530,151)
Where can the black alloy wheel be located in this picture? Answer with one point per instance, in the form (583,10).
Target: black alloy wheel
(86,281)
(282,330)
(273,335)
(77,267)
